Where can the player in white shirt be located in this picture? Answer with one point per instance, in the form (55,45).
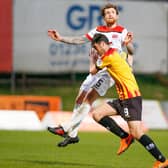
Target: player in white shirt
(98,84)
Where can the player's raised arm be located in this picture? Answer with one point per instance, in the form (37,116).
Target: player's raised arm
(128,38)
(70,40)
(130,50)
(54,35)
(130,47)
(93,56)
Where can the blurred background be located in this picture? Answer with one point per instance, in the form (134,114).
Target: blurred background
(35,69)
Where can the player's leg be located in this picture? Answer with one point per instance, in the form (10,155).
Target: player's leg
(80,115)
(132,113)
(62,129)
(80,110)
(100,83)
(148,143)
(74,125)
(84,110)
(75,118)
(66,127)
(101,87)
(101,115)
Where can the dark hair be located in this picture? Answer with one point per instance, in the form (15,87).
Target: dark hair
(97,38)
(107,6)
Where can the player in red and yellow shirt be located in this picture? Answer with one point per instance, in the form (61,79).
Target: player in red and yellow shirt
(129,104)
(119,70)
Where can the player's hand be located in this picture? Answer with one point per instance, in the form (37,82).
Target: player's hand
(54,35)
(128,38)
(93,55)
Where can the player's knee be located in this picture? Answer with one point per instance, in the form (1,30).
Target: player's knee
(79,99)
(88,101)
(91,96)
(88,98)
(97,116)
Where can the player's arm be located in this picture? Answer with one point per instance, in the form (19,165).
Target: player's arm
(94,69)
(93,56)
(69,40)
(130,50)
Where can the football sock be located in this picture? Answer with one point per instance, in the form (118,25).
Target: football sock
(151,147)
(82,113)
(113,127)
(67,125)
(77,117)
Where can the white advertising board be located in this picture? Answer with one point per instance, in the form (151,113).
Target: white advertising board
(153,115)
(34,52)
(19,120)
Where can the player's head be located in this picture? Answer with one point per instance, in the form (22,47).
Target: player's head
(98,37)
(110,13)
(101,43)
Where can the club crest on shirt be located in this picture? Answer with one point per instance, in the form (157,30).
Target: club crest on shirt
(115,36)
(99,62)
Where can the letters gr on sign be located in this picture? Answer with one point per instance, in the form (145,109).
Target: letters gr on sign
(79,17)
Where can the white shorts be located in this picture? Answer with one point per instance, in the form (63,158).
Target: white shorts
(101,82)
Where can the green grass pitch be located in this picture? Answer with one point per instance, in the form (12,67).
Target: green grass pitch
(28,149)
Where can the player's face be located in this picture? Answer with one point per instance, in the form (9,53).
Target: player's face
(110,16)
(99,48)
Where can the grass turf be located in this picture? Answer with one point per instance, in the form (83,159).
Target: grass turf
(28,149)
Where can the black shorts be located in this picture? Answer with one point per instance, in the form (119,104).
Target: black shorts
(129,109)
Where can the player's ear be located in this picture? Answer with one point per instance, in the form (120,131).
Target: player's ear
(117,16)
(94,45)
(102,43)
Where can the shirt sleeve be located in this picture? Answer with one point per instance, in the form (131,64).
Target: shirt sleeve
(90,34)
(123,35)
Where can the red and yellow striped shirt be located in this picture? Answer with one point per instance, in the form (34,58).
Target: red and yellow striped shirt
(120,71)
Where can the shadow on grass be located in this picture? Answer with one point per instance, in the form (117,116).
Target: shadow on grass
(60,163)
